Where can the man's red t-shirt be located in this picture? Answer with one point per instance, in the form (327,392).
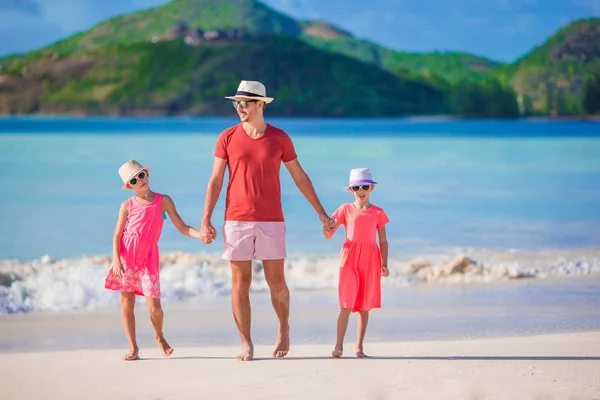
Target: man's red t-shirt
(254,189)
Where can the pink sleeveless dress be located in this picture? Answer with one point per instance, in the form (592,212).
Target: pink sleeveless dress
(139,250)
(360,259)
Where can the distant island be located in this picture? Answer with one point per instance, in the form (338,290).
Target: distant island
(182,58)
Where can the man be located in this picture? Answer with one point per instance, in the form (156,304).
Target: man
(254,227)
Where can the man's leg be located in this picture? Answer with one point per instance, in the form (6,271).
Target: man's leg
(241,278)
(280,297)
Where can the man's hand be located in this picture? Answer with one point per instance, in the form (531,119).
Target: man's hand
(208,233)
(385,271)
(328,222)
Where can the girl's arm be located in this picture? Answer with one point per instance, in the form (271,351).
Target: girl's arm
(383,248)
(186,230)
(328,233)
(122,219)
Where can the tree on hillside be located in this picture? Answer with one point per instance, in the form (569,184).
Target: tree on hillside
(550,97)
(591,94)
(484,99)
(526,107)
(181,28)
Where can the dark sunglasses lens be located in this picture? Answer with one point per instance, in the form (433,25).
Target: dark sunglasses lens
(366,187)
(355,188)
(241,103)
(133,181)
(142,175)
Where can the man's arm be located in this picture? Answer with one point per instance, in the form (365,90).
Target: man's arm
(213,190)
(306,187)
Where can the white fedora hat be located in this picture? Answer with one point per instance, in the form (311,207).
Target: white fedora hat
(251,90)
(360,176)
(130,169)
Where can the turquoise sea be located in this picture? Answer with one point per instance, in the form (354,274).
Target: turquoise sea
(522,197)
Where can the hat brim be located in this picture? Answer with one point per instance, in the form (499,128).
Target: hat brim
(361,182)
(146,168)
(265,99)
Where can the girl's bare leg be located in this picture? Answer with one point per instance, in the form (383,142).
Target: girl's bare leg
(157,318)
(342,325)
(363,321)
(128,321)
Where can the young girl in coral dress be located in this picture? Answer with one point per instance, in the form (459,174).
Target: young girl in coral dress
(135,266)
(362,261)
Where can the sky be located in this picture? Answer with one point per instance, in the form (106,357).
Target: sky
(502,30)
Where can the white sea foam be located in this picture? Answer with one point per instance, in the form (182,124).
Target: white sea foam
(78,284)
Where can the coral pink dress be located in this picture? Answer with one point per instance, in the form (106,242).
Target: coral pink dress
(139,250)
(360,258)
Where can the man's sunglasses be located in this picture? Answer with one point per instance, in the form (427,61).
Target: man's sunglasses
(357,188)
(242,103)
(140,176)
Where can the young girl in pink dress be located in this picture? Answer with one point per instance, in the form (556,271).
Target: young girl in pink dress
(135,266)
(362,261)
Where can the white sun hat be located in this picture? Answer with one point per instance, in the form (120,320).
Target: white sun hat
(130,169)
(360,176)
(251,90)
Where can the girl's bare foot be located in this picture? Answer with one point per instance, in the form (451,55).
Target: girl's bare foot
(247,353)
(166,349)
(132,355)
(337,352)
(360,354)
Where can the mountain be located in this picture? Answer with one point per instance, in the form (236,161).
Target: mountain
(182,57)
(248,15)
(257,19)
(172,78)
(450,66)
(551,78)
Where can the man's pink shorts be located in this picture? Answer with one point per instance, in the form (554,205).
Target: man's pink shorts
(245,240)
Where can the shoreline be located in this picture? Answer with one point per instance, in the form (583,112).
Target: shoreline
(75,114)
(558,366)
(438,312)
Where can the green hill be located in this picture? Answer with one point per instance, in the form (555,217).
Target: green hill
(551,77)
(450,66)
(140,63)
(257,19)
(172,78)
(249,15)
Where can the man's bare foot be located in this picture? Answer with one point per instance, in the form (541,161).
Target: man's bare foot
(132,355)
(166,349)
(337,352)
(360,353)
(247,353)
(282,347)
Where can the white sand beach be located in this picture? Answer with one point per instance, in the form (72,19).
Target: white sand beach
(559,366)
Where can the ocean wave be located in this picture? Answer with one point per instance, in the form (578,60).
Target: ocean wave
(78,284)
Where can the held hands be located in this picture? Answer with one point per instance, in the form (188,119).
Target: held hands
(117,269)
(385,271)
(328,222)
(208,233)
